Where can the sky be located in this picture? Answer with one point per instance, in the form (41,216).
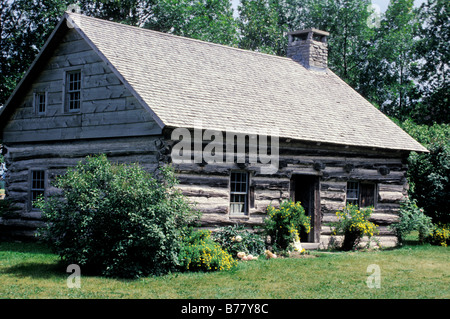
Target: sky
(383,4)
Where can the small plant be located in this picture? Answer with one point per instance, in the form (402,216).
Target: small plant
(285,223)
(236,239)
(201,253)
(412,218)
(439,235)
(354,223)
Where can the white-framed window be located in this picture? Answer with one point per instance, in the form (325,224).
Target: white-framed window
(73,91)
(361,194)
(40,102)
(239,187)
(37,186)
(353,193)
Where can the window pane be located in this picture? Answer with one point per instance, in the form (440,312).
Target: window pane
(73,90)
(367,195)
(352,193)
(37,185)
(238,192)
(40,102)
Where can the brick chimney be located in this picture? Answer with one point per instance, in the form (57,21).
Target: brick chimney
(309,47)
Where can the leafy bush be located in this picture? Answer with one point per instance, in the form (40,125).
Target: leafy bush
(235,239)
(412,218)
(354,224)
(439,235)
(116,220)
(284,224)
(201,253)
(429,173)
(429,176)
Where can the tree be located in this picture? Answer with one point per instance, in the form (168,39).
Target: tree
(207,20)
(433,56)
(391,72)
(262,27)
(346,21)
(26,24)
(132,12)
(24,27)
(429,173)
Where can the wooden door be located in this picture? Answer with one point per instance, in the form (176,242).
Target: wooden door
(305,189)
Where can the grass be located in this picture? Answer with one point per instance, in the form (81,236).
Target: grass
(414,271)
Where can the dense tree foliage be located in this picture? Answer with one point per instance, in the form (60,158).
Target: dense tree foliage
(24,27)
(433,55)
(429,173)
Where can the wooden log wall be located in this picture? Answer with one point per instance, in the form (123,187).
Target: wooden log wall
(108,108)
(208,185)
(21,223)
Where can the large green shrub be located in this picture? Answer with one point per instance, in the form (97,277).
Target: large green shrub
(429,176)
(429,173)
(117,220)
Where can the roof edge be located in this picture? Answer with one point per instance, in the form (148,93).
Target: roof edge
(318,142)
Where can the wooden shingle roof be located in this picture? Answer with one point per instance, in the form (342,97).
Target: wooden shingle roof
(182,81)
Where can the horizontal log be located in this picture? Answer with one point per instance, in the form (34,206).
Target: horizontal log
(23,223)
(390,197)
(331,205)
(76,133)
(333,186)
(206,202)
(204,191)
(72,47)
(333,196)
(200,180)
(267,195)
(120,146)
(33,215)
(214,219)
(384,219)
(400,188)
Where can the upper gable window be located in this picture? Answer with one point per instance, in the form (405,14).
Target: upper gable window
(40,103)
(73,91)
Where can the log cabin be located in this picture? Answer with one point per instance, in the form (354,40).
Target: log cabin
(135,95)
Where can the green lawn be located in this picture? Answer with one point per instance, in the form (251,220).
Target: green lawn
(31,271)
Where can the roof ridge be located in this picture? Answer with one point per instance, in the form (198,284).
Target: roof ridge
(179,36)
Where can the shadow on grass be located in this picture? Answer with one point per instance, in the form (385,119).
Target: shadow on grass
(37,270)
(34,247)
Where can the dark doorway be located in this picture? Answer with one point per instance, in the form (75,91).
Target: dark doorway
(305,189)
